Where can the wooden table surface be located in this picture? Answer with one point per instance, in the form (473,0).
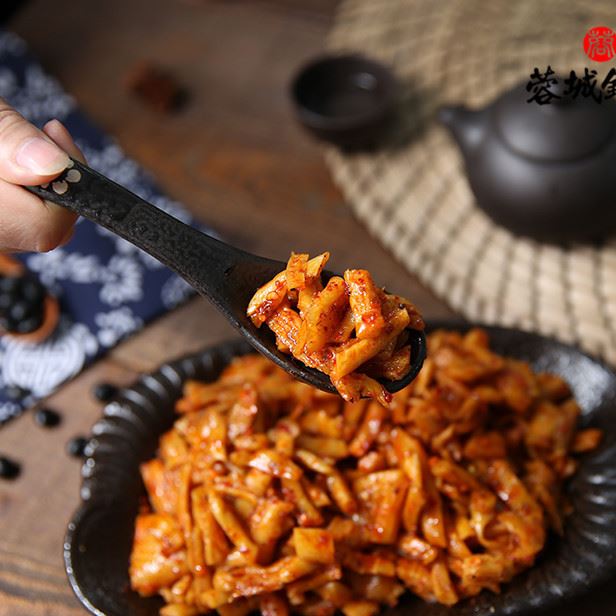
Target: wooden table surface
(235,156)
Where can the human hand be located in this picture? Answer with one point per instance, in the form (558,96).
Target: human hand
(29,157)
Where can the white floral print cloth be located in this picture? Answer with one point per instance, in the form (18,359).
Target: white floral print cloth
(107,288)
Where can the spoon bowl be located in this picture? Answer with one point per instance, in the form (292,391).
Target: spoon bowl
(226,275)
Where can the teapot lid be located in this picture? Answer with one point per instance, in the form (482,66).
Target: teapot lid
(563,130)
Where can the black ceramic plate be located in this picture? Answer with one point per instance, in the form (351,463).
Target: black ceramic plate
(99,537)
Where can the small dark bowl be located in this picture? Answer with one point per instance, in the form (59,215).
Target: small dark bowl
(99,537)
(347,100)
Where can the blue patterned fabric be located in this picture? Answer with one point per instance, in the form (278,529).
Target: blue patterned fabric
(107,288)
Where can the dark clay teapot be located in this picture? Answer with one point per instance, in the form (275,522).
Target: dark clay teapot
(544,171)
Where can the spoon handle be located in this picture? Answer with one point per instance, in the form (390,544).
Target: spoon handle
(198,258)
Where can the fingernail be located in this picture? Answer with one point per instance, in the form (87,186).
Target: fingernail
(41,157)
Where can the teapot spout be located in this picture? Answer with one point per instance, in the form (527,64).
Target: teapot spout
(466,126)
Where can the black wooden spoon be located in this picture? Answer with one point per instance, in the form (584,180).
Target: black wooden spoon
(225,275)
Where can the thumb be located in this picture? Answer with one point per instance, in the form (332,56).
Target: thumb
(27,155)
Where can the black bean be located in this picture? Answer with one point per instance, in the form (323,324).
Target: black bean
(76,446)
(11,324)
(15,393)
(47,418)
(8,468)
(33,291)
(29,325)
(104,392)
(5,300)
(10,284)
(20,310)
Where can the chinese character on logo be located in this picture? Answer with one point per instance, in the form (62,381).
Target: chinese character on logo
(583,86)
(609,84)
(599,44)
(540,84)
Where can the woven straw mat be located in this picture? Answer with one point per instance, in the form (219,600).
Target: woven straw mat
(414,196)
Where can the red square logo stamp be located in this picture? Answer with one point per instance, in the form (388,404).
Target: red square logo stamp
(599,43)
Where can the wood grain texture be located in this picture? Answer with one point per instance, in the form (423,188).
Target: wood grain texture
(35,508)
(234,155)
